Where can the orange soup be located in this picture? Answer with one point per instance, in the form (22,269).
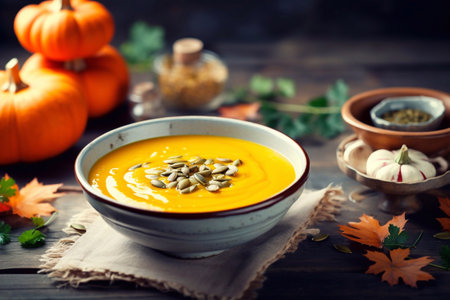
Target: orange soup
(191,173)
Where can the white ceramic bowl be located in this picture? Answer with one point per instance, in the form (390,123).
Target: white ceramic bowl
(192,235)
(430,105)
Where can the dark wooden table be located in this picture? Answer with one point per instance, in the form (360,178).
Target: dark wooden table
(315,270)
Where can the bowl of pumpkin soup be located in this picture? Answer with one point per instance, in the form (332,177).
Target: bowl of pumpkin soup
(192,186)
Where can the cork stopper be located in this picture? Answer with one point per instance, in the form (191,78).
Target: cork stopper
(187,51)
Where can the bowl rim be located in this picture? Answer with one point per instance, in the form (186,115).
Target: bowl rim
(394,91)
(196,215)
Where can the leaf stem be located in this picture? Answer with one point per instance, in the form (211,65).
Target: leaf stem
(299,108)
(417,240)
(438,266)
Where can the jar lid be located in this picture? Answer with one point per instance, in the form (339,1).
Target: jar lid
(187,50)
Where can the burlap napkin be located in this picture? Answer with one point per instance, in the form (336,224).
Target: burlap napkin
(103,254)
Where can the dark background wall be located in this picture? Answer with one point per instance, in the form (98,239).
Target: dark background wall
(264,20)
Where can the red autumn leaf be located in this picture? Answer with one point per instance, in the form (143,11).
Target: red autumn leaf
(398,267)
(32,200)
(240,111)
(445,207)
(369,231)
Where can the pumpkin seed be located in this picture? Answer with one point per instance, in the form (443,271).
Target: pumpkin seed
(198,161)
(212,188)
(225,184)
(209,161)
(200,178)
(185,170)
(185,190)
(319,237)
(134,167)
(218,176)
(154,171)
(78,227)
(193,169)
(172,184)
(445,235)
(193,180)
(221,179)
(192,188)
(174,161)
(342,248)
(179,178)
(173,176)
(158,183)
(214,182)
(232,170)
(203,168)
(217,165)
(175,157)
(204,173)
(237,162)
(146,164)
(183,184)
(166,173)
(220,169)
(152,176)
(226,160)
(177,165)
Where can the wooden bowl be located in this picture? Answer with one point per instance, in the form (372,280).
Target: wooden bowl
(356,113)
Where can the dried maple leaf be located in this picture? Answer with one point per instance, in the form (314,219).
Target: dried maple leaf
(369,231)
(240,111)
(445,207)
(398,266)
(32,199)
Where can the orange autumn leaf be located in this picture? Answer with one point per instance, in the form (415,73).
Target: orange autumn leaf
(398,267)
(445,207)
(240,111)
(32,199)
(369,231)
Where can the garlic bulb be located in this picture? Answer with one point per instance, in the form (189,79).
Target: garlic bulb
(400,165)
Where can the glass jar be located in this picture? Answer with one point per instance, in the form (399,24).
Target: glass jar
(190,78)
(144,102)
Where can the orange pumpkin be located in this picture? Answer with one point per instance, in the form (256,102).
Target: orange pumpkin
(104,77)
(64,30)
(41,116)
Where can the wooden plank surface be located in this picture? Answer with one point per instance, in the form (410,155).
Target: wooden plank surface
(315,270)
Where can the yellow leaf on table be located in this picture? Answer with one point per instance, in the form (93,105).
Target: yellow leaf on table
(369,231)
(445,207)
(399,267)
(32,200)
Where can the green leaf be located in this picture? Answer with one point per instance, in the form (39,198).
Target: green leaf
(395,239)
(445,256)
(337,94)
(5,230)
(37,222)
(144,42)
(286,87)
(6,189)
(262,86)
(32,238)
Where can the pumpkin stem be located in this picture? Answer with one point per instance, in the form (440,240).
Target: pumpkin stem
(76,65)
(14,83)
(62,4)
(403,157)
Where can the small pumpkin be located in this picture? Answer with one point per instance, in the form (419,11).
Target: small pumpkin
(64,29)
(104,77)
(40,116)
(400,166)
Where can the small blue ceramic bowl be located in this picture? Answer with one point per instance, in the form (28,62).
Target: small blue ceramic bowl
(430,105)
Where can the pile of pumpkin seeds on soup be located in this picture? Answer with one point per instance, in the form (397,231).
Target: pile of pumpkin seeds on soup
(186,176)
